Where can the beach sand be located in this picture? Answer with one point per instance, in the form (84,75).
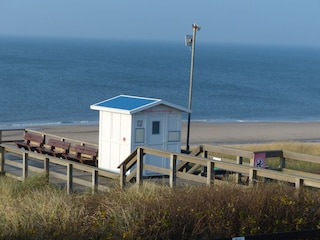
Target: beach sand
(213,133)
(253,132)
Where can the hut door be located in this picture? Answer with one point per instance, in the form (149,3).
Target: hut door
(155,130)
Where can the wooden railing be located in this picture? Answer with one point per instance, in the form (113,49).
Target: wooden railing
(187,167)
(26,163)
(17,135)
(198,166)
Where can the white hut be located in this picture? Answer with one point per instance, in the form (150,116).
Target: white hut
(126,122)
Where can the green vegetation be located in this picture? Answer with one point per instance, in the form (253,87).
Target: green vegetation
(37,210)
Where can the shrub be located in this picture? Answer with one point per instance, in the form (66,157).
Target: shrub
(37,210)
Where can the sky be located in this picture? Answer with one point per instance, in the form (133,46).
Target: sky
(271,22)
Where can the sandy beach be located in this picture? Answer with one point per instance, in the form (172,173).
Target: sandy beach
(213,133)
(253,132)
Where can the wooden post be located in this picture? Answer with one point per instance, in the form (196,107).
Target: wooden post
(298,183)
(282,163)
(123,171)
(205,155)
(94,180)
(46,168)
(173,170)
(69,177)
(139,166)
(239,175)
(2,160)
(24,166)
(44,138)
(253,177)
(252,173)
(210,173)
(0,136)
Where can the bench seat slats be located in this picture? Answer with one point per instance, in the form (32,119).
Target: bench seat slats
(59,148)
(55,148)
(31,142)
(83,154)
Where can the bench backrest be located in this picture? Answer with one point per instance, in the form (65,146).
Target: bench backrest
(84,150)
(54,143)
(30,137)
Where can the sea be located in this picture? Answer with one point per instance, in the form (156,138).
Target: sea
(53,81)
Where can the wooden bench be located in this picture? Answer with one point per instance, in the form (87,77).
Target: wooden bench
(83,154)
(55,148)
(31,141)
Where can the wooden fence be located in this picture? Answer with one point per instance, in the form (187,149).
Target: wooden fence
(20,164)
(14,135)
(198,166)
(68,171)
(187,167)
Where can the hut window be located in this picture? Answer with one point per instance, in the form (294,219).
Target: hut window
(174,136)
(139,135)
(155,127)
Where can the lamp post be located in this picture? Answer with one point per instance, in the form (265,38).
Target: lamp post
(191,41)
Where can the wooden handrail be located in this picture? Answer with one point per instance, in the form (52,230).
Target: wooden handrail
(301,156)
(253,172)
(133,166)
(71,166)
(10,130)
(228,150)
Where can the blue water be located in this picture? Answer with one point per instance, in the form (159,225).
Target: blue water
(54,81)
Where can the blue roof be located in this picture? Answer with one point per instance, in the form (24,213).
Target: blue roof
(126,102)
(131,104)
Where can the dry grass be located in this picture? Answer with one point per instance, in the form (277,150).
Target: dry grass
(312,148)
(37,210)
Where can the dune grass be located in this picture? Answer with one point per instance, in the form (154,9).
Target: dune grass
(312,148)
(37,210)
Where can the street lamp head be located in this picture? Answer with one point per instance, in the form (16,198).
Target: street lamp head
(196,27)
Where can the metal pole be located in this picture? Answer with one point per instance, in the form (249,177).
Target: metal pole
(195,28)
